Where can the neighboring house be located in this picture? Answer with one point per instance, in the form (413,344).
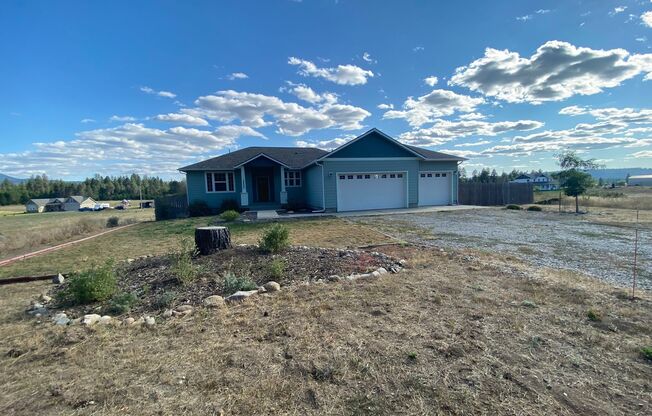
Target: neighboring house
(372,171)
(45,205)
(640,180)
(542,181)
(76,202)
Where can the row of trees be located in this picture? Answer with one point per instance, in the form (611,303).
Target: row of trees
(491,176)
(98,187)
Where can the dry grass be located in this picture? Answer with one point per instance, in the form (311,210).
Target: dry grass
(628,198)
(153,238)
(446,336)
(22,233)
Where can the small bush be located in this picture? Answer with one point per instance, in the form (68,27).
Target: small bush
(513,206)
(182,267)
(230,205)
(277,268)
(412,356)
(594,315)
(646,352)
(165,299)
(199,209)
(275,238)
(92,285)
(233,283)
(230,215)
(534,208)
(112,222)
(122,303)
(528,304)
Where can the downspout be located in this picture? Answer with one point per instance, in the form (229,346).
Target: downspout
(323,192)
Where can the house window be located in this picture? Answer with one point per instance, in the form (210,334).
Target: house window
(392,175)
(383,176)
(358,176)
(367,176)
(400,175)
(443,175)
(342,177)
(292,178)
(219,182)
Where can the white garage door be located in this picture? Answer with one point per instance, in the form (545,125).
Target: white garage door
(435,188)
(360,191)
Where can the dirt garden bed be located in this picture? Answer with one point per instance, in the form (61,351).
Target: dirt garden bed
(156,288)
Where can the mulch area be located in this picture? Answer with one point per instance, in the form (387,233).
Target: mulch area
(153,282)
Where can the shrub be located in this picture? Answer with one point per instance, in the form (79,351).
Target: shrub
(230,205)
(92,285)
(275,238)
(528,304)
(182,267)
(646,352)
(112,222)
(594,315)
(199,209)
(230,215)
(165,299)
(534,208)
(277,268)
(513,206)
(233,283)
(122,303)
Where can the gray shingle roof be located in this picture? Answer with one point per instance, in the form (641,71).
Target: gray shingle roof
(432,155)
(292,157)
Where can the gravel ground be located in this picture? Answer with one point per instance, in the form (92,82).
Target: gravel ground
(545,239)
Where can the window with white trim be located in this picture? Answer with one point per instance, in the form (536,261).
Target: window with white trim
(292,178)
(220,182)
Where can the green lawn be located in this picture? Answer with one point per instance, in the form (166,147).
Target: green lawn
(155,238)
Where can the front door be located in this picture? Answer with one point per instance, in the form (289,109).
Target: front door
(262,188)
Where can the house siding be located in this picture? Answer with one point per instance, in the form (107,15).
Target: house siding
(196,183)
(373,145)
(313,187)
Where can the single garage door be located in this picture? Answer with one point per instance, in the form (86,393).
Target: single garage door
(360,191)
(434,188)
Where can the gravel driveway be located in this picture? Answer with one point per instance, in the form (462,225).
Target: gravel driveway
(545,239)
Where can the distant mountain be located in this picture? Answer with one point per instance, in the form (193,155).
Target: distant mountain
(11,179)
(618,174)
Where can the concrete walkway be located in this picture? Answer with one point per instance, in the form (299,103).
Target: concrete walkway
(266,215)
(369,213)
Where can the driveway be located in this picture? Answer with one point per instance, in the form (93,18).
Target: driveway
(545,239)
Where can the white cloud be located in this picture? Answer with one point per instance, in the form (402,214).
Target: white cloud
(182,119)
(642,154)
(543,11)
(87,120)
(237,75)
(384,106)
(367,57)
(611,114)
(558,70)
(305,93)
(418,49)
(433,105)
(524,18)
(258,110)
(646,18)
(326,144)
(472,144)
(431,80)
(342,74)
(617,10)
(122,119)
(472,116)
(166,94)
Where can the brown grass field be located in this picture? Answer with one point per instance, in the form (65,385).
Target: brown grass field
(454,333)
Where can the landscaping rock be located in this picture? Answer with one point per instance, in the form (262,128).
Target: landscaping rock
(382,270)
(215,301)
(129,321)
(37,309)
(58,279)
(240,295)
(45,298)
(150,321)
(333,278)
(183,310)
(168,313)
(272,286)
(61,319)
(105,320)
(395,269)
(91,319)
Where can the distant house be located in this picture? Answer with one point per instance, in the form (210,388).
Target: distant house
(640,180)
(541,181)
(74,203)
(45,205)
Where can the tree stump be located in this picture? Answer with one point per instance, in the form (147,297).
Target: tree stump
(211,239)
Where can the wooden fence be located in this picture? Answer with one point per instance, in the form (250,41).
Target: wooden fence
(170,207)
(488,194)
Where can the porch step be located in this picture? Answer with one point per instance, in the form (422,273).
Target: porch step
(266,215)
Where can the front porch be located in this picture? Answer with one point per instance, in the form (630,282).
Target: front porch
(264,184)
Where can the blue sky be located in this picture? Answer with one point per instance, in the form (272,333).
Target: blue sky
(121,87)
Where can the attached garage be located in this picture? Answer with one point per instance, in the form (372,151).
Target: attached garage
(366,191)
(435,188)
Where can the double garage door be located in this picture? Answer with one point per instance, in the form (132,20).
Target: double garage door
(361,191)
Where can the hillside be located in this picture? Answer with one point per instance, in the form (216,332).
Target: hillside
(619,173)
(11,179)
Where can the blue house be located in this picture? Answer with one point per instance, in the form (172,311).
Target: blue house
(372,171)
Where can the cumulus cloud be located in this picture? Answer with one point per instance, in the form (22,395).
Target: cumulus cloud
(182,119)
(642,154)
(433,105)
(237,75)
(87,120)
(342,74)
(557,70)
(617,10)
(431,80)
(122,150)
(612,114)
(524,18)
(326,144)
(646,18)
(122,119)
(305,93)
(384,106)
(367,57)
(166,94)
(292,119)
(443,131)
